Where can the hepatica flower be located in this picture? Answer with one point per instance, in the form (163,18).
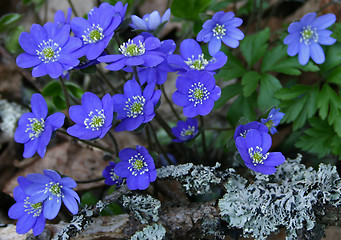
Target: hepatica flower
(49,50)
(29,215)
(137,166)
(60,19)
(93,118)
(149,22)
(135,107)
(136,52)
(254,151)
(185,130)
(51,190)
(110,176)
(274,118)
(242,130)
(306,36)
(196,93)
(192,58)
(222,27)
(97,31)
(35,129)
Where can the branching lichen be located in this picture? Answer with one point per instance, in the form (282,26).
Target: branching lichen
(10,114)
(155,232)
(283,199)
(145,208)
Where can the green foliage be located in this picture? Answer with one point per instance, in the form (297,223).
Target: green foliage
(254,46)
(232,69)
(227,93)
(8,21)
(299,103)
(250,82)
(268,86)
(11,40)
(242,107)
(333,58)
(320,139)
(337,31)
(189,9)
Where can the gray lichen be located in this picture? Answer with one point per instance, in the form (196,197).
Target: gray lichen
(10,114)
(283,199)
(154,232)
(145,208)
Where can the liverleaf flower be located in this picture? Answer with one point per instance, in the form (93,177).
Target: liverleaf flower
(110,177)
(274,118)
(149,22)
(97,31)
(306,35)
(222,27)
(93,118)
(137,166)
(30,215)
(35,129)
(242,130)
(196,92)
(49,50)
(185,130)
(254,147)
(135,107)
(192,58)
(51,190)
(135,52)
(60,19)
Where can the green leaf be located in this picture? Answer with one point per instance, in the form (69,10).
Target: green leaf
(12,37)
(250,82)
(53,88)
(298,103)
(254,46)
(88,198)
(227,93)
(335,76)
(242,107)
(333,57)
(329,104)
(75,90)
(189,9)
(8,20)
(337,31)
(59,102)
(268,86)
(232,69)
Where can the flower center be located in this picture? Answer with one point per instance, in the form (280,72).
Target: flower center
(113,175)
(54,189)
(219,31)
(95,120)
(49,51)
(198,93)
(269,124)
(36,127)
(257,156)
(32,208)
(93,34)
(135,106)
(138,165)
(198,64)
(130,49)
(309,35)
(187,132)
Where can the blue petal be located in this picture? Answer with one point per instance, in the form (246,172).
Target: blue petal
(30,148)
(39,226)
(180,99)
(317,53)
(118,65)
(132,182)
(110,58)
(52,174)
(26,60)
(126,153)
(20,135)
(108,107)
(214,46)
(324,37)
(44,140)
(268,170)
(266,142)
(166,15)
(234,33)
(303,54)
(25,223)
(27,44)
(77,114)
(79,25)
(68,182)
(70,202)
(62,35)
(189,48)
(39,106)
(324,21)
(17,210)
(51,206)
(295,27)
(190,111)
(229,41)
(38,178)
(142,181)
(39,196)
(132,88)
(152,175)
(38,34)
(274,159)
(121,169)
(151,59)
(54,69)
(138,23)
(253,139)
(154,20)
(216,62)
(39,70)
(90,102)
(293,48)
(129,124)
(56,120)
(308,18)
(134,61)
(151,43)
(206,107)
(71,193)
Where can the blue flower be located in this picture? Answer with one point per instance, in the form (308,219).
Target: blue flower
(97,31)
(157,74)
(49,50)
(242,130)
(149,22)
(34,129)
(306,36)
(274,118)
(29,214)
(196,92)
(59,17)
(222,27)
(51,189)
(185,131)
(120,10)
(93,118)
(136,52)
(254,151)
(135,107)
(137,166)
(110,177)
(192,58)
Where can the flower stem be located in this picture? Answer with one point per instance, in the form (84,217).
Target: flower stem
(158,143)
(163,124)
(218,129)
(111,135)
(136,75)
(90,180)
(66,94)
(105,149)
(107,81)
(170,103)
(203,138)
(73,8)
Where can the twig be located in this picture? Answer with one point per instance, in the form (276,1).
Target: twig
(66,94)
(170,103)
(111,135)
(158,143)
(73,8)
